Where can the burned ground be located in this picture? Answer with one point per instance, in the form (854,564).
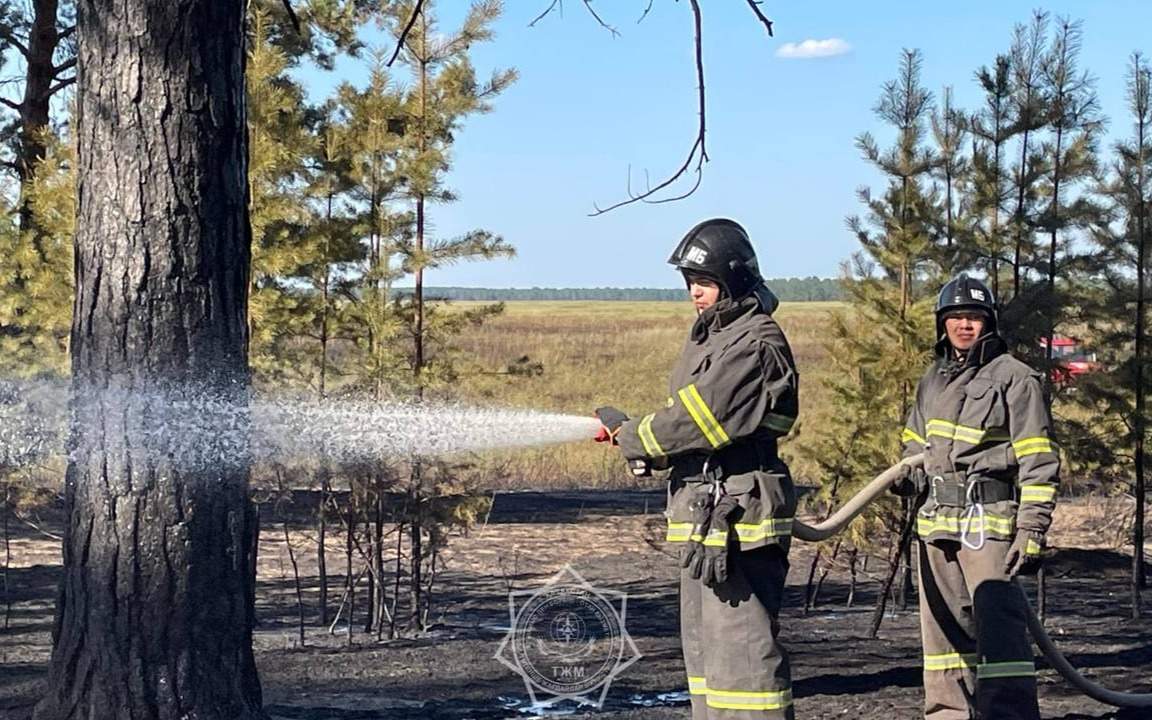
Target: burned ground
(611,539)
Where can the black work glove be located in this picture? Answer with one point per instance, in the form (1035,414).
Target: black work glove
(1023,556)
(692,555)
(716,546)
(911,483)
(610,421)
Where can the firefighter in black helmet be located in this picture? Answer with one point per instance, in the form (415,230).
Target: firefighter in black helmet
(733,394)
(990,475)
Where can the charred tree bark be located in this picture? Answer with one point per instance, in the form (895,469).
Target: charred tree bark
(321,539)
(153,618)
(894,565)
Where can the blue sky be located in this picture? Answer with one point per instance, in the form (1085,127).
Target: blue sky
(589,105)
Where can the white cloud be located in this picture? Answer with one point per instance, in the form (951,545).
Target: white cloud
(813,49)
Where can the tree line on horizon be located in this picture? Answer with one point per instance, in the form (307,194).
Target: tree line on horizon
(807,289)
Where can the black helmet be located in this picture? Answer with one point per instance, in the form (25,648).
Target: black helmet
(720,249)
(963,292)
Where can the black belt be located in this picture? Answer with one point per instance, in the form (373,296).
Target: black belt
(747,455)
(961,492)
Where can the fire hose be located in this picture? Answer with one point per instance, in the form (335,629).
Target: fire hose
(843,515)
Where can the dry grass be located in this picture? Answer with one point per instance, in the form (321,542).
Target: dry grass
(602,353)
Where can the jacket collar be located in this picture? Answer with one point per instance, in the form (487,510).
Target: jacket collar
(985,350)
(725,312)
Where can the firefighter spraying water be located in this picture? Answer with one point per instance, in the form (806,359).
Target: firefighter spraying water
(732,395)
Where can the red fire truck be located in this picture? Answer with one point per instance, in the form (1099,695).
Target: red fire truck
(1070,358)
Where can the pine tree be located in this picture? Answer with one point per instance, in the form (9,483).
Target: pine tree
(1074,125)
(1029,110)
(36,277)
(39,36)
(949,130)
(991,130)
(1116,396)
(444,91)
(887,287)
(280,142)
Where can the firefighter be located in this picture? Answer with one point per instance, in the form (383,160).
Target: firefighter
(990,476)
(733,395)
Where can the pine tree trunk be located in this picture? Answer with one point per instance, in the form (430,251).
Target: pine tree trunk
(809,587)
(350,580)
(370,611)
(853,559)
(4,507)
(416,579)
(1139,424)
(321,539)
(824,572)
(893,566)
(154,612)
(905,590)
(295,582)
(378,566)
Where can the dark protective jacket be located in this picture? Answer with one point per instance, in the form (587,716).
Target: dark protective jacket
(733,393)
(986,420)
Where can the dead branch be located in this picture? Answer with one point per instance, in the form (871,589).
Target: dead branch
(698,154)
(37,528)
(416,10)
(606,26)
(548,10)
(755,5)
(647,10)
(292,16)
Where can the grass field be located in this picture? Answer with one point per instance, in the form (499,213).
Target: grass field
(602,353)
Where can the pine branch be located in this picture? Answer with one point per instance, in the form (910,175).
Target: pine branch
(698,153)
(416,10)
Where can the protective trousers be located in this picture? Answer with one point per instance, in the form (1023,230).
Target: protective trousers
(737,669)
(977,655)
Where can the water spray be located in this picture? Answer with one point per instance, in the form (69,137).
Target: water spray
(199,428)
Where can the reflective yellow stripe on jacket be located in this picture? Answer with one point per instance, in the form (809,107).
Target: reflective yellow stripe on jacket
(766,528)
(703,416)
(998,524)
(1032,446)
(648,438)
(683,532)
(910,435)
(973,436)
(1037,493)
(745,532)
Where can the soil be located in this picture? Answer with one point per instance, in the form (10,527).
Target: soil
(612,540)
